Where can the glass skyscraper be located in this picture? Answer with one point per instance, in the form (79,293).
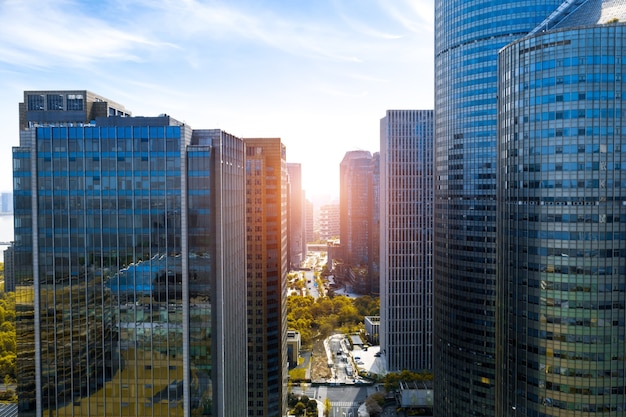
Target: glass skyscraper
(468,35)
(562,216)
(406,280)
(129,247)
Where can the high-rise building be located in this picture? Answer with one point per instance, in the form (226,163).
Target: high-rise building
(266,218)
(6,203)
(329,222)
(296,224)
(355,173)
(129,236)
(562,216)
(468,36)
(373,266)
(309,223)
(9,269)
(406,205)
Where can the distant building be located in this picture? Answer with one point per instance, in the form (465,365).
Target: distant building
(406,233)
(297,221)
(9,270)
(309,222)
(267,266)
(6,203)
(373,256)
(329,221)
(354,205)
(129,269)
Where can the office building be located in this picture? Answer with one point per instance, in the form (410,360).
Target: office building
(373,246)
(354,206)
(562,216)
(309,222)
(296,223)
(6,203)
(9,269)
(329,222)
(468,36)
(406,205)
(128,300)
(266,218)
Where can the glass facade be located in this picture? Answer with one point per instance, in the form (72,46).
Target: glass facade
(267,266)
(118,268)
(468,35)
(406,280)
(562,223)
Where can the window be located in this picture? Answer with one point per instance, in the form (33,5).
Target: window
(35,102)
(55,102)
(75,102)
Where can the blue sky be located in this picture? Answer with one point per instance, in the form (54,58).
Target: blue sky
(319,74)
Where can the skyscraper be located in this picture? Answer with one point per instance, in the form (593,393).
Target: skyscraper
(296,224)
(562,215)
(468,36)
(126,228)
(373,246)
(406,204)
(354,197)
(266,218)
(329,221)
(358,201)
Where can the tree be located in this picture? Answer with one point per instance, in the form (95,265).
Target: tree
(327,407)
(374,403)
(299,409)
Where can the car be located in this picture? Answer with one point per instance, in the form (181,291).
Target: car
(357,358)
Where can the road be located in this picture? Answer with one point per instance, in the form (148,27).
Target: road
(344,370)
(311,285)
(345,400)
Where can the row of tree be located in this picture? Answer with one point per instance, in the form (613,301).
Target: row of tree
(8,349)
(321,317)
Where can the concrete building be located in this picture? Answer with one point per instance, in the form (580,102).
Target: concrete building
(129,240)
(561,279)
(329,220)
(297,222)
(9,270)
(309,222)
(406,263)
(293,347)
(6,203)
(372,329)
(468,36)
(355,172)
(267,267)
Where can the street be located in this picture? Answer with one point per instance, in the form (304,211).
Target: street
(345,400)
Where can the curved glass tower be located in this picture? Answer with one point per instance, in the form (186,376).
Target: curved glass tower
(562,216)
(468,36)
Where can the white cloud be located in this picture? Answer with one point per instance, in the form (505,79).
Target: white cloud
(46,34)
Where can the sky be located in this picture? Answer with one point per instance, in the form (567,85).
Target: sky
(319,74)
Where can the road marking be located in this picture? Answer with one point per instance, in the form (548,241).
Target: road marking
(344,404)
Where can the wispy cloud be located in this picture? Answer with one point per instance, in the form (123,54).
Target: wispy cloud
(46,34)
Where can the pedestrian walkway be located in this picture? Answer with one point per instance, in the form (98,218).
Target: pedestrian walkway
(344,404)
